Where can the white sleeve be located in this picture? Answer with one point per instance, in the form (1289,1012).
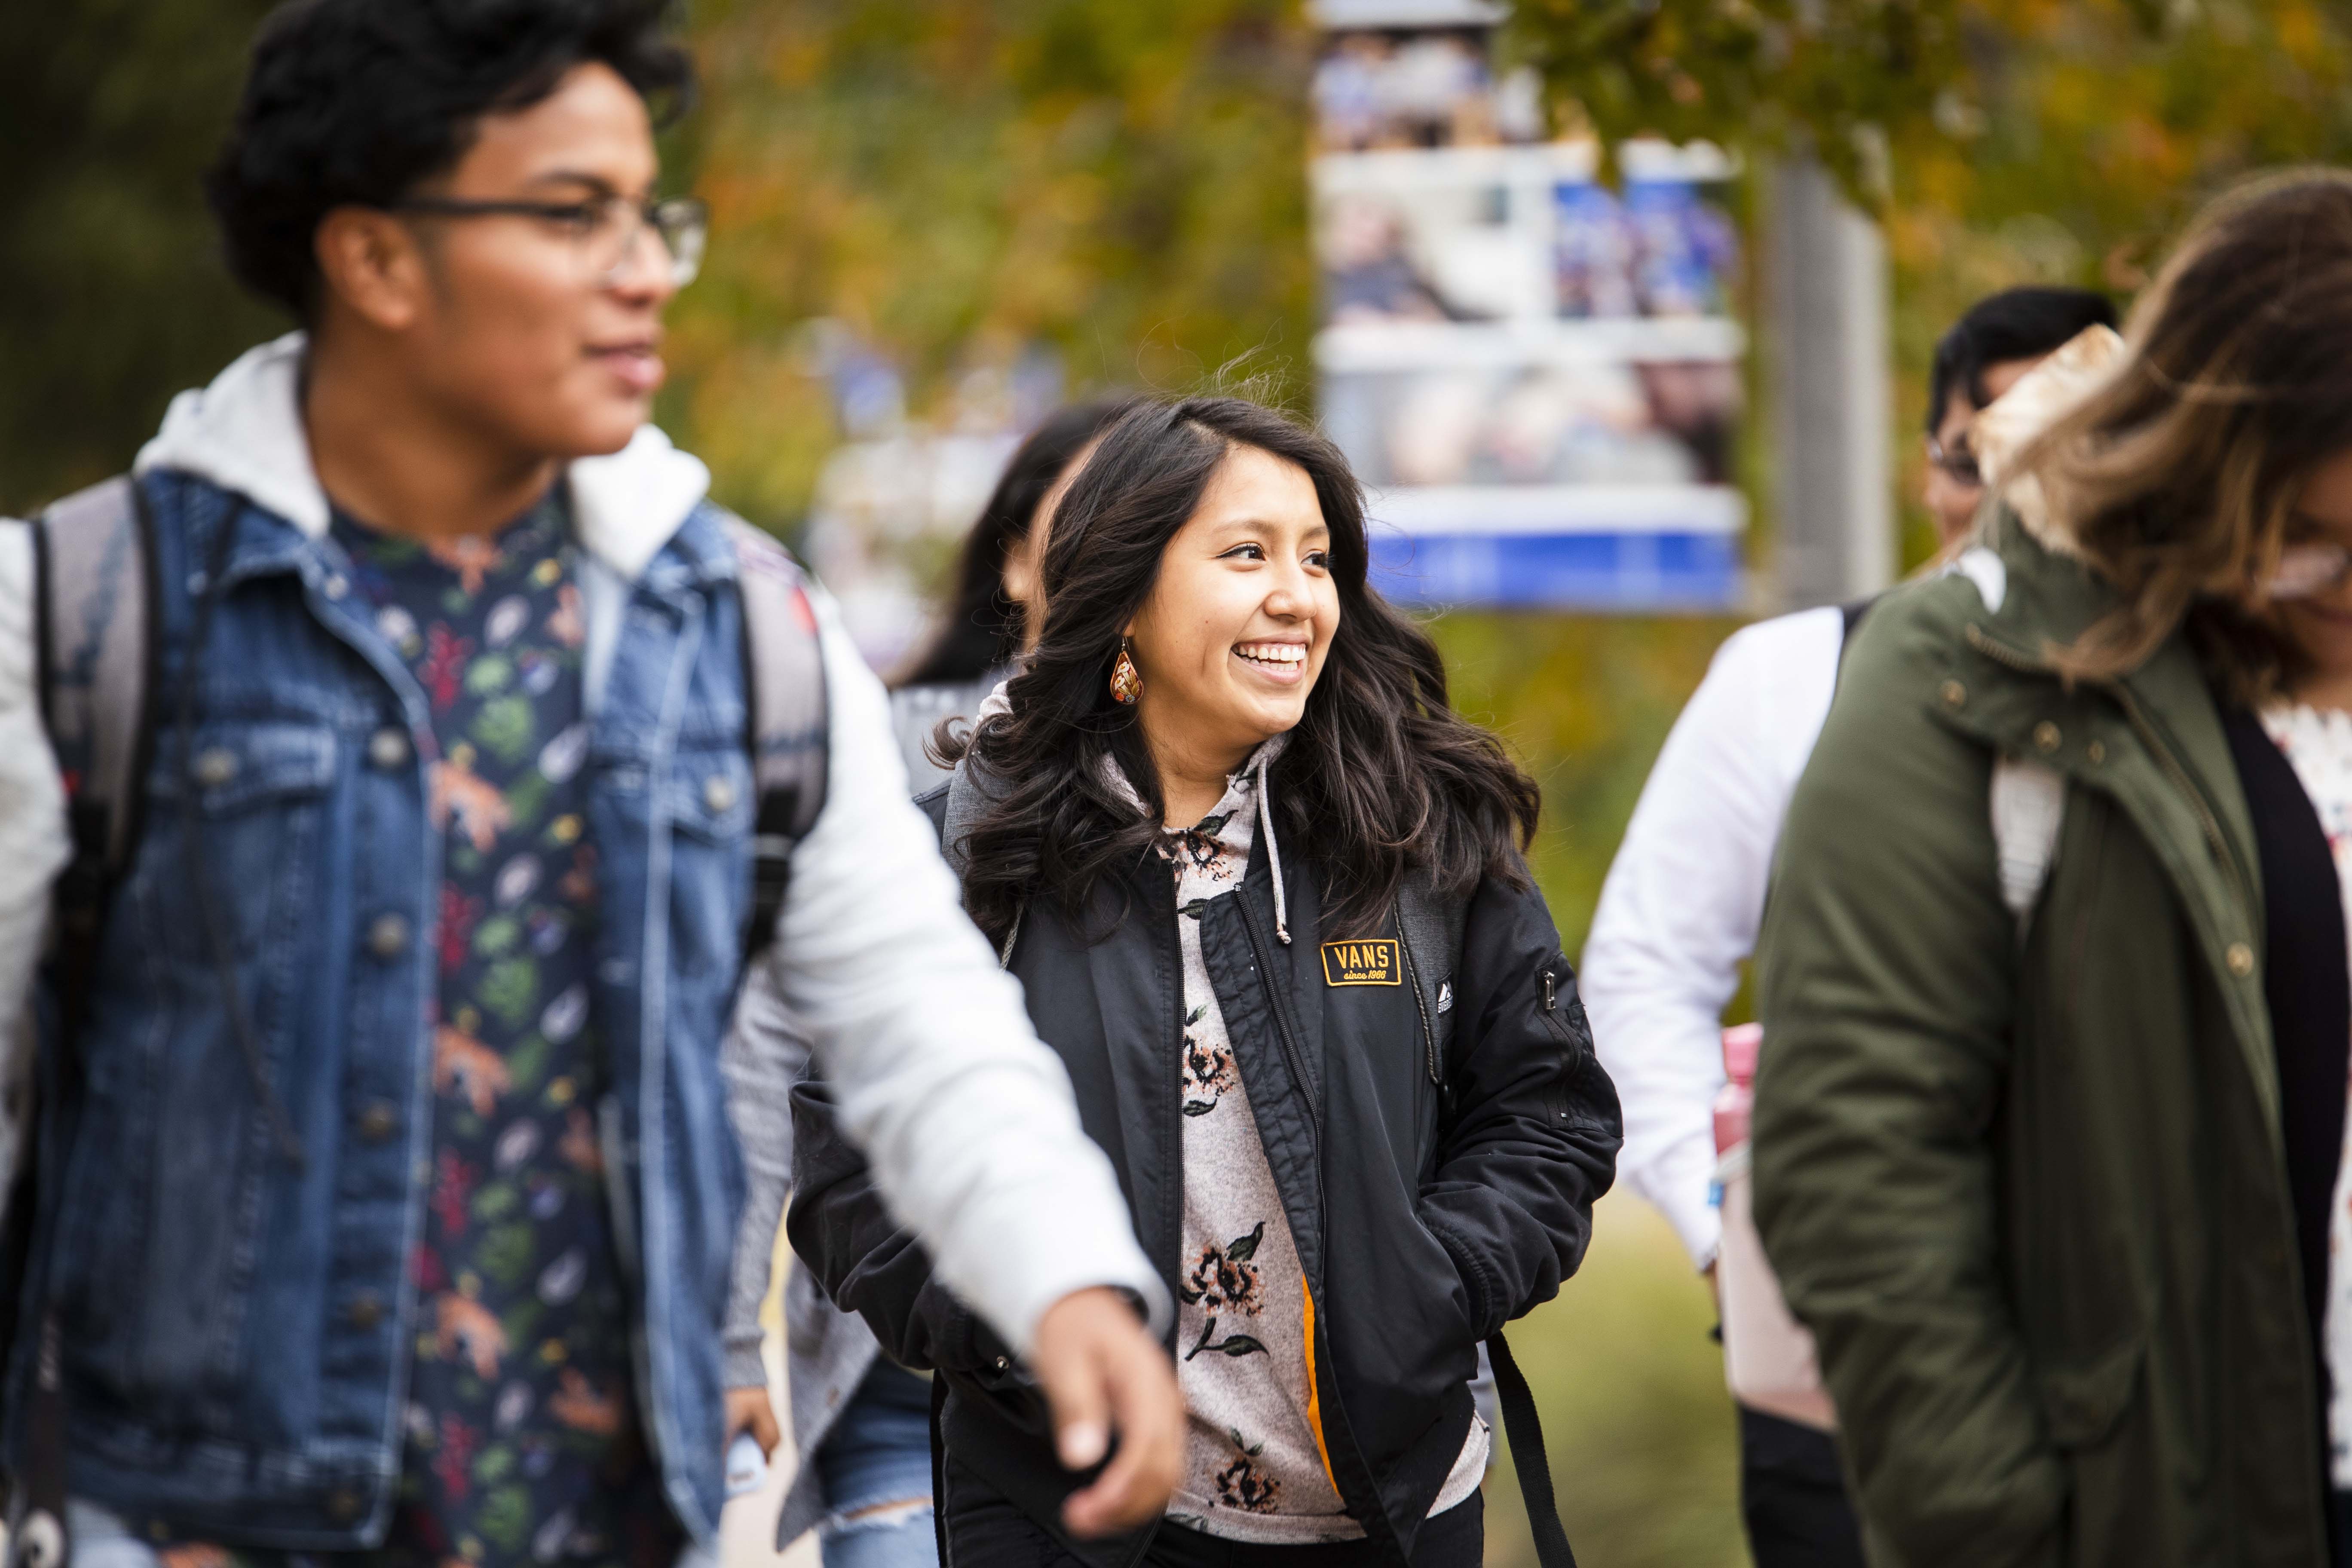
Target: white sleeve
(33,841)
(966,1116)
(1683,900)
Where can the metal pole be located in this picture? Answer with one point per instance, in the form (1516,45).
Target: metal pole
(1828,298)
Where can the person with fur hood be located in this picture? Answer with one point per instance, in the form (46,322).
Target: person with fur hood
(2054,977)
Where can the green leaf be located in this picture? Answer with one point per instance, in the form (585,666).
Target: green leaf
(1199,1107)
(1245,1249)
(505,728)
(489,674)
(509,989)
(495,935)
(507,1253)
(1239,1345)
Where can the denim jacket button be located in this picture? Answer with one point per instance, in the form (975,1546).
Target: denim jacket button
(388,749)
(718,794)
(214,766)
(387,936)
(366,1310)
(378,1121)
(343,1505)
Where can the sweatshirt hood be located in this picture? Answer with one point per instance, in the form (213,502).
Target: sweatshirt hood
(244,433)
(2042,397)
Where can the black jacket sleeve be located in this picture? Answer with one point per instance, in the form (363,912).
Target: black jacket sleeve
(866,1261)
(1530,1124)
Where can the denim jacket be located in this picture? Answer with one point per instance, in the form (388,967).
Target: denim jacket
(237,1322)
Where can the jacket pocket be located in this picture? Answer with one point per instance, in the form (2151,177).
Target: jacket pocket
(173,1163)
(253,791)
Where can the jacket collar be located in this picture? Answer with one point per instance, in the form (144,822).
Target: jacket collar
(244,433)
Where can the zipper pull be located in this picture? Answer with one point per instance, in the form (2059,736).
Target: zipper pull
(1552,993)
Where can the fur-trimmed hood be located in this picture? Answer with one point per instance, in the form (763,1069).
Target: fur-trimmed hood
(243,433)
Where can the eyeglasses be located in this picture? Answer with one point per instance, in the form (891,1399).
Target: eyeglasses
(603,231)
(2307,571)
(1957,462)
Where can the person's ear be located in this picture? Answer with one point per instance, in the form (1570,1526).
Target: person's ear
(374,264)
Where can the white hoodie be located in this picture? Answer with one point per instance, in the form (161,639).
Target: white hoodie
(1680,909)
(966,1116)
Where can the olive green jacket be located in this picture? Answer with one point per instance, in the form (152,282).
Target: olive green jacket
(2024,1180)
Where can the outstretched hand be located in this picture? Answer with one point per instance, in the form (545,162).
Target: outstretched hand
(1102,1371)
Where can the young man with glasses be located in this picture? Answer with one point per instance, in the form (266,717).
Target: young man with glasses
(1988,352)
(385,1187)
(1679,912)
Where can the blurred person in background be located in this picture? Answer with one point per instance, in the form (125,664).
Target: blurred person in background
(1987,352)
(1679,912)
(2054,980)
(994,616)
(1263,889)
(381,1191)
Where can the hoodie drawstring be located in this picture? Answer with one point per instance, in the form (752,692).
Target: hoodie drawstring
(1272,849)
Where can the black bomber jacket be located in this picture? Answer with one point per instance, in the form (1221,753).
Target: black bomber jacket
(1438,1172)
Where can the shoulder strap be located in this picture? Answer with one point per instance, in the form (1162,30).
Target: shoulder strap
(94,647)
(785,718)
(95,595)
(1529,1459)
(1851,614)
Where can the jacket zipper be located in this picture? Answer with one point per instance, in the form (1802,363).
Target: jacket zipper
(2000,653)
(1420,1003)
(1292,1052)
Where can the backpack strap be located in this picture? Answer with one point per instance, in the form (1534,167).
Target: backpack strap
(1529,1459)
(94,613)
(785,719)
(94,595)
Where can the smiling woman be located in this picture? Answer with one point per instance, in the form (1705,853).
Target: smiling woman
(1221,547)
(1262,890)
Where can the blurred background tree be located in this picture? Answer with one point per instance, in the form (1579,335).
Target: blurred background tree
(113,295)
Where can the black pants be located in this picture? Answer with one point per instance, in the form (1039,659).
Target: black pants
(1792,1496)
(985,1530)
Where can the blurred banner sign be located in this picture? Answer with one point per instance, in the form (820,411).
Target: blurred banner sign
(1537,377)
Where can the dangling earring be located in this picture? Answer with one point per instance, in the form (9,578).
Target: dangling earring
(1126,681)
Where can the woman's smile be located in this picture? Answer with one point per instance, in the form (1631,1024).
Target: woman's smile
(1284,663)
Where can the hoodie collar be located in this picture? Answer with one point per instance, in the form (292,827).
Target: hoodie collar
(244,433)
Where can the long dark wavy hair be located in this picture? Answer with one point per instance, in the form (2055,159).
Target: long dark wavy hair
(981,628)
(1381,774)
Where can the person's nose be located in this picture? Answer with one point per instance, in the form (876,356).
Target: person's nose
(1287,598)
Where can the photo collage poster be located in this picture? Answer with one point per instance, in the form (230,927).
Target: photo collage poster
(1538,374)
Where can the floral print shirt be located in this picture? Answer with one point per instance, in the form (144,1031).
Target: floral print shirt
(1254,1465)
(2318,743)
(523,1444)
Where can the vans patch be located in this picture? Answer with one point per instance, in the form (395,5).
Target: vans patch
(1362,964)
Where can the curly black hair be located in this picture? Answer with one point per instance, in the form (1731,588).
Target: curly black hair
(355,102)
(1380,776)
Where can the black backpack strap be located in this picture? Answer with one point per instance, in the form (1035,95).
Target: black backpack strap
(1851,614)
(1529,1458)
(785,723)
(95,596)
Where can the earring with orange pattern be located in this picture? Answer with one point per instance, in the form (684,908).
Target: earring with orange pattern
(1126,681)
